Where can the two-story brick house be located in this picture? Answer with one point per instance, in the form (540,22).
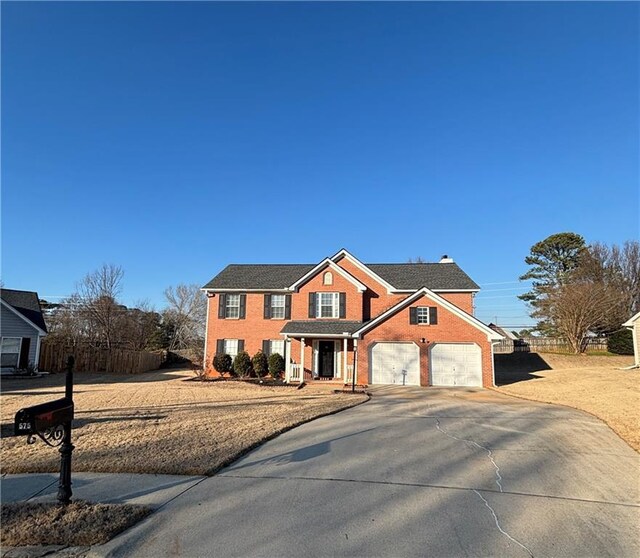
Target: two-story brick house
(406,324)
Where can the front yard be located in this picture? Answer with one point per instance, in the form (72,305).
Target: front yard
(595,384)
(159,422)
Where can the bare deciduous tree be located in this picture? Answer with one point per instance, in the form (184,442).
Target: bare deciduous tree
(185,315)
(97,294)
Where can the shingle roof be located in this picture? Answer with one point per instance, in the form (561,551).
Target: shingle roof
(431,275)
(258,276)
(321,327)
(26,303)
(409,276)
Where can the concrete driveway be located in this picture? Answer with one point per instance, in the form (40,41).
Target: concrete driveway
(414,472)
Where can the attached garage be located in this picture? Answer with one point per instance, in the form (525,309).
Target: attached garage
(395,363)
(456,364)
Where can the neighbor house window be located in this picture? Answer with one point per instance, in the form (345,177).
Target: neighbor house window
(231,347)
(276,346)
(277,307)
(10,351)
(423,314)
(327,305)
(232,308)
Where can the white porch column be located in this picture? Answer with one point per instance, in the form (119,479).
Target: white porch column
(301,359)
(355,362)
(344,358)
(287,359)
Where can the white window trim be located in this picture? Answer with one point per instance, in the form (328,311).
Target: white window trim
(228,306)
(335,305)
(418,309)
(224,347)
(272,341)
(19,353)
(283,306)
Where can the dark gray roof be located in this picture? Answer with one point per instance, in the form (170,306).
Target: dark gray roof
(258,276)
(26,303)
(321,327)
(442,276)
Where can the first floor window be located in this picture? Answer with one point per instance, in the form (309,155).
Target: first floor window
(232,309)
(231,347)
(423,314)
(10,350)
(277,306)
(277,346)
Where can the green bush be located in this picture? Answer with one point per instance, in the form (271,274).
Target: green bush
(260,364)
(242,364)
(222,363)
(276,364)
(620,342)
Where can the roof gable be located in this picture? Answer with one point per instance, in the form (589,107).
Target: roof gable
(26,305)
(424,292)
(324,264)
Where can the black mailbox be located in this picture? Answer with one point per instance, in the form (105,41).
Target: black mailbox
(39,418)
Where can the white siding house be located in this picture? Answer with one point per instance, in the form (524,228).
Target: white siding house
(633,324)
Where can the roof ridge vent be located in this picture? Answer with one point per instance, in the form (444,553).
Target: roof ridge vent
(446,259)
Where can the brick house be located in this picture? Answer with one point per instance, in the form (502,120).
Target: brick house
(405,324)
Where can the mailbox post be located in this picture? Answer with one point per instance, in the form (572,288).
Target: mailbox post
(51,422)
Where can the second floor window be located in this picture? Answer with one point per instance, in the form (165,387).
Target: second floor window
(327,305)
(277,306)
(232,309)
(423,315)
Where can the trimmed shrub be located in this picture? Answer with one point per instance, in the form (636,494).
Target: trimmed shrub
(260,364)
(621,342)
(222,363)
(242,364)
(276,365)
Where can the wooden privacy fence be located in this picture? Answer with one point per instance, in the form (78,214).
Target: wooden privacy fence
(545,345)
(53,358)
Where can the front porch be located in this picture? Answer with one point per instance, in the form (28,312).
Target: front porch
(327,360)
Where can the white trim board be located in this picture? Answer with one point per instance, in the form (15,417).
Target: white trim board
(491,335)
(334,267)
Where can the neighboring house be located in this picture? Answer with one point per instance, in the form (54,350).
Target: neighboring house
(409,324)
(21,329)
(506,334)
(633,324)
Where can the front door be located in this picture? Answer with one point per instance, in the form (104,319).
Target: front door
(326,360)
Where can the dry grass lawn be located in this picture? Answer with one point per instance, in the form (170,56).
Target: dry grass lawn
(159,422)
(590,383)
(78,524)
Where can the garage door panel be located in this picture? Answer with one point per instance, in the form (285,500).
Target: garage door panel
(456,364)
(390,360)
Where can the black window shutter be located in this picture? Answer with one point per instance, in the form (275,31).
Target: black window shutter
(222,302)
(243,306)
(267,306)
(220,346)
(287,307)
(312,305)
(266,346)
(413,315)
(240,345)
(433,315)
(343,305)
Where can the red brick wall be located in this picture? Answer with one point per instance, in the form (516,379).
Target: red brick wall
(461,300)
(450,328)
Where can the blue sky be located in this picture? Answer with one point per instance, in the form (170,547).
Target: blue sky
(175,138)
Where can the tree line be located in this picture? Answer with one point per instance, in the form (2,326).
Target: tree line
(580,290)
(93,315)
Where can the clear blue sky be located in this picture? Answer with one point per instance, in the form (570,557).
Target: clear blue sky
(175,138)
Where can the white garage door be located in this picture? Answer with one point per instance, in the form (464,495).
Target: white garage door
(456,364)
(395,363)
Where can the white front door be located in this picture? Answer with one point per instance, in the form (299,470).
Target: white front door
(456,364)
(395,363)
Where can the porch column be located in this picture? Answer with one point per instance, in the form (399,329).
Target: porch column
(301,359)
(344,358)
(355,363)
(287,360)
